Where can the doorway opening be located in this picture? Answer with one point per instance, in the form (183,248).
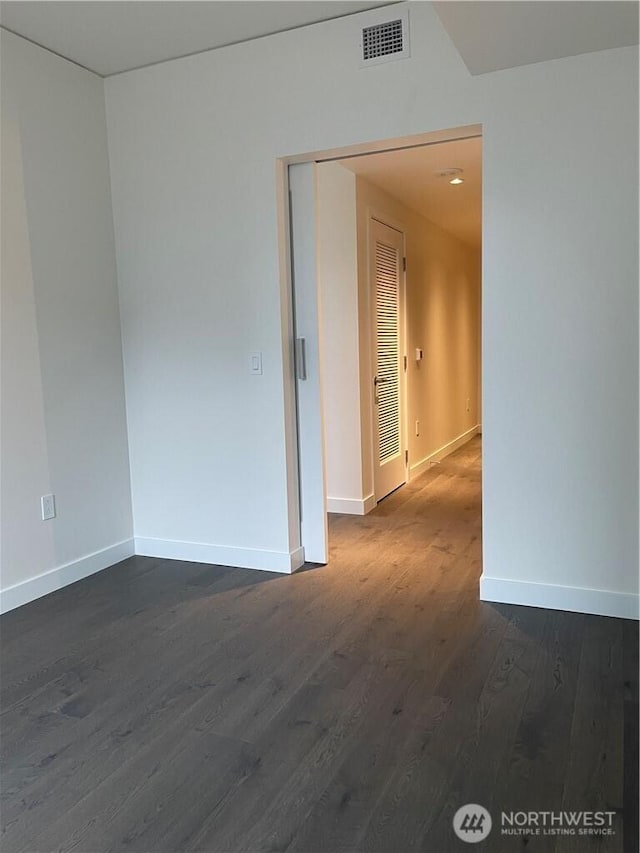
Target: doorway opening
(386,267)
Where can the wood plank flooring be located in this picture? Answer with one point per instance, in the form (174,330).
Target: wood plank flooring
(167,706)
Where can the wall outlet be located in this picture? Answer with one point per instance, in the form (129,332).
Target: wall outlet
(48,505)
(417,427)
(468,404)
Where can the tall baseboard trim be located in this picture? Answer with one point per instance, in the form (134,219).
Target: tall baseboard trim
(424,464)
(297,559)
(351,506)
(221,555)
(574,599)
(26,591)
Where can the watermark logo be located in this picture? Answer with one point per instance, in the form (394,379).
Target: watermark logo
(560,823)
(472,823)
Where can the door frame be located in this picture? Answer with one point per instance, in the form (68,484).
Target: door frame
(309,398)
(294,425)
(376,215)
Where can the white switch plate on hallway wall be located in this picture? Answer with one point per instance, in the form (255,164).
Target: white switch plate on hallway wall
(48,506)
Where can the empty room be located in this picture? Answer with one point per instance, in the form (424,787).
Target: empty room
(319,426)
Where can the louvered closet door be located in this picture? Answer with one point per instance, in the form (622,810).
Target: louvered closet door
(386,246)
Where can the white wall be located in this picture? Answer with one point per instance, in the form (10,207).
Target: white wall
(338,295)
(443,319)
(63,415)
(193,145)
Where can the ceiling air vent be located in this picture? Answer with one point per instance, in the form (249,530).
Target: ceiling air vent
(385,40)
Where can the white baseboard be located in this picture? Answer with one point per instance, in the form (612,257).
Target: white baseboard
(424,464)
(351,506)
(221,555)
(26,591)
(296,559)
(574,599)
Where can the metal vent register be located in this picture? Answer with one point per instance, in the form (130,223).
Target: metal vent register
(382,40)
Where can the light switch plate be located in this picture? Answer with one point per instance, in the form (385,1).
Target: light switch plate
(48,506)
(255,363)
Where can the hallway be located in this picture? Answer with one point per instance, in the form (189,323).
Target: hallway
(166,706)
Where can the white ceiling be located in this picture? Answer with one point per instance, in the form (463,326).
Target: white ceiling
(494,35)
(409,176)
(109,37)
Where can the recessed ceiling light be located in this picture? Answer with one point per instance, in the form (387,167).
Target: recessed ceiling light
(456,181)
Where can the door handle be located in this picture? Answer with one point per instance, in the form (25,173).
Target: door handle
(301,358)
(378,380)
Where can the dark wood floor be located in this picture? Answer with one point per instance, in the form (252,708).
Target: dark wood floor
(167,706)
